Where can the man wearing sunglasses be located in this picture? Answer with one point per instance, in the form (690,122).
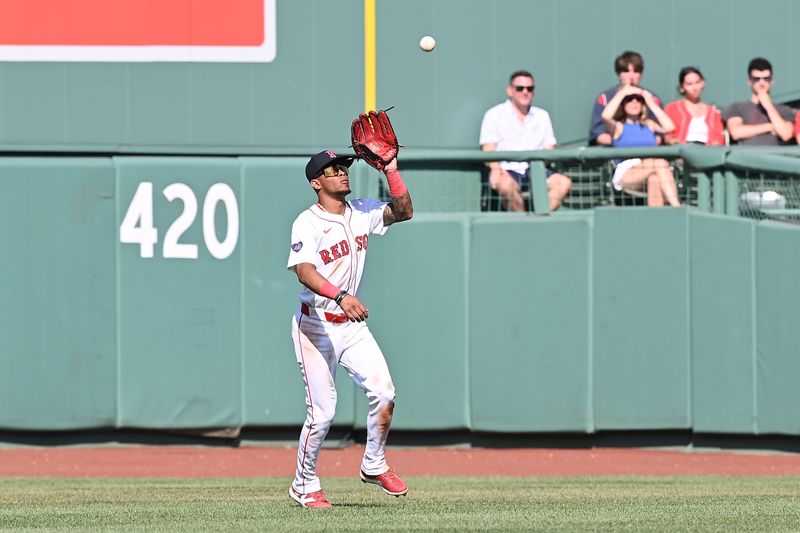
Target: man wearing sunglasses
(328,254)
(759,121)
(516,125)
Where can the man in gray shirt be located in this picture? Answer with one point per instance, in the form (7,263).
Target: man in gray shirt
(759,121)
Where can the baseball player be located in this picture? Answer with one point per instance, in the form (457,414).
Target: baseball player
(328,253)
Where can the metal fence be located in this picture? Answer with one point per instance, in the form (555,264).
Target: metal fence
(753,183)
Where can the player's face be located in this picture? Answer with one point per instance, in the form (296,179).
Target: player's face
(760,81)
(693,86)
(334,180)
(630,77)
(521,91)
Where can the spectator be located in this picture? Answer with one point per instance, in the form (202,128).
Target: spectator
(695,121)
(517,125)
(759,121)
(629,67)
(626,121)
(797,128)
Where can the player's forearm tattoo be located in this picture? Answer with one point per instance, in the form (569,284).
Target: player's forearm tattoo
(399,209)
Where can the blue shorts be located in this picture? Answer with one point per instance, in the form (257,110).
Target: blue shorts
(524,180)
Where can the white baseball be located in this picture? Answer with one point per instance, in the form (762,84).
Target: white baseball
(427,43)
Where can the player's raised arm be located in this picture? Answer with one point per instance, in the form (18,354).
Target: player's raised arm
(375,142)
(400,208)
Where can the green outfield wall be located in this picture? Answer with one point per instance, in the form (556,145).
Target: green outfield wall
(309,93)
(144,292)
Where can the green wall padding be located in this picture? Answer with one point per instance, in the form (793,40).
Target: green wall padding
(615,319)
(58,366)
(641,323)
(723,333)
(777,326)
(529,324)
(179,319)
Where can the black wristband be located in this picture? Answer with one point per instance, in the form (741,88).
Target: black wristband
(339,298)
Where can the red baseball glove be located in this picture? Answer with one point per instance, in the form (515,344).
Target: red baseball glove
(374,139)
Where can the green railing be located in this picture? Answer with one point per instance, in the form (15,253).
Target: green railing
(762,183)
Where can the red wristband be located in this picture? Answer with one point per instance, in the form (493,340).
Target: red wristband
(396,185)
(329,290)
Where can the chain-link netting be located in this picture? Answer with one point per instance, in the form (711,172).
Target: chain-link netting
(648,181)
(763,195)
(447,190)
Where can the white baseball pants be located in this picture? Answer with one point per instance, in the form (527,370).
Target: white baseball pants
(319,346)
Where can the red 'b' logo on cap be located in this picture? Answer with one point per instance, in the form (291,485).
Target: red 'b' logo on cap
(331,154)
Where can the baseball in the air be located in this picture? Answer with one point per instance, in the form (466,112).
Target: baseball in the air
(427,43)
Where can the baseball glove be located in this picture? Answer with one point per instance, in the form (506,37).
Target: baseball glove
(374,139)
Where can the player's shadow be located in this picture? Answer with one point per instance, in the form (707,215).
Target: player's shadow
(361,505)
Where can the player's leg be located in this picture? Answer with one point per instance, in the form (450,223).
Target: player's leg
(364,361)
(315,356)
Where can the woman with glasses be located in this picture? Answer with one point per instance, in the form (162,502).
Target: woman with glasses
(695,121)
(626,120)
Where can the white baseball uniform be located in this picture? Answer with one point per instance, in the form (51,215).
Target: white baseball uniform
(323,336)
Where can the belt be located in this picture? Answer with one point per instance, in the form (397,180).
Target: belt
(323,315)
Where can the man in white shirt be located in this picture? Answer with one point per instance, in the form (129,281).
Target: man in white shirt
(517,125)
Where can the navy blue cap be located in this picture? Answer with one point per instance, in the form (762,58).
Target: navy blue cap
(326,159)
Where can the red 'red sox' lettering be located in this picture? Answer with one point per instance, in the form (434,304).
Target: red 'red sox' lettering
(361,242)
(337,251)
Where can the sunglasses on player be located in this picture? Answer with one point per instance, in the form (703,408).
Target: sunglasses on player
(756,79)
(335,170)
(520,88)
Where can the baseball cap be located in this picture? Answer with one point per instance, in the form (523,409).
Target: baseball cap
(324,159)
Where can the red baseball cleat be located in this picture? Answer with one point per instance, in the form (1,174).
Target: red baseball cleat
(388,481)
(312,500)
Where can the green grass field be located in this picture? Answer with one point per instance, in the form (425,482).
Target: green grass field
(441,504)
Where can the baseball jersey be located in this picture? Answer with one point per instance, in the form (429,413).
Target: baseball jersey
(500,125)
(336,245)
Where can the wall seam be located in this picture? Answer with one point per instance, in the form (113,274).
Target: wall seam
(688,315)
(118,326)
(467,232)
(590,422)
(242,262)
(753,325)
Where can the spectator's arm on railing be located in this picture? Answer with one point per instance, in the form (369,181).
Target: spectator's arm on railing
(495,170)
(491,147)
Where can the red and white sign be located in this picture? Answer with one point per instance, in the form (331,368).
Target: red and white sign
(138,30)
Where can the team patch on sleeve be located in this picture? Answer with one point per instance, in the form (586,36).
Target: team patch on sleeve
(297,246)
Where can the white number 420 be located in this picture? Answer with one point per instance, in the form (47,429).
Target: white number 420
(137,226)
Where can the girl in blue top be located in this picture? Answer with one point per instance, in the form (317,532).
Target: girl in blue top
(625,118)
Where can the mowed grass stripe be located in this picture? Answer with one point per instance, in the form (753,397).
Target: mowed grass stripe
(433,504)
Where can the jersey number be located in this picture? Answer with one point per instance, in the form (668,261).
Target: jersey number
(137,225)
